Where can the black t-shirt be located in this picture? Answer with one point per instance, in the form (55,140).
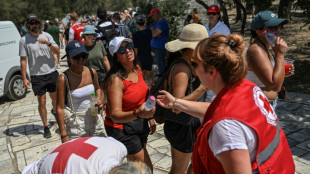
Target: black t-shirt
(142,41)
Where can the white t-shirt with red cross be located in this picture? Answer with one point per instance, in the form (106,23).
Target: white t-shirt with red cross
(82,155)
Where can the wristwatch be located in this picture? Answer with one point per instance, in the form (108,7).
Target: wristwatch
(49,44)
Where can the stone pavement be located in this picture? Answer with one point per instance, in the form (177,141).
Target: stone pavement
(22,142)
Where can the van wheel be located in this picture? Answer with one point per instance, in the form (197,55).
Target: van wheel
(17,89)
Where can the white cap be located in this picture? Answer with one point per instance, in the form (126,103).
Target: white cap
(116,42)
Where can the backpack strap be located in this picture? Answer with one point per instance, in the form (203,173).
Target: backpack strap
(91,73)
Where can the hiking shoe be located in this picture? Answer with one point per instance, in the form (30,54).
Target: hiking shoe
(47,132)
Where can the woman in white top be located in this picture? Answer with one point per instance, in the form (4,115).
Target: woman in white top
(82,82)
(265,70)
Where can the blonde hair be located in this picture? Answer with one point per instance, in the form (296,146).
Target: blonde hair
(225,53)
(136,167)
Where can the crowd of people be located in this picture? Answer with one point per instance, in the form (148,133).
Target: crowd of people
(228,98)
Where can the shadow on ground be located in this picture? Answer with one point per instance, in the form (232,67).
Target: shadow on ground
(28,129)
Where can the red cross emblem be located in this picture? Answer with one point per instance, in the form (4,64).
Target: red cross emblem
(78,147)
(262,102)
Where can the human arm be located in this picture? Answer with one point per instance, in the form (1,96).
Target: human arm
(97,90)
(236,161)
(156,32)
(49,42)
(194,108)
(60,102)
(180,77)
(259,63)
(106,63)
(23,65)
(115,96)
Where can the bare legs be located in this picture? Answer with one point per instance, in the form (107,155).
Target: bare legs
(142,156)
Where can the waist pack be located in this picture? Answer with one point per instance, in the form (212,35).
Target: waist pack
(161,114)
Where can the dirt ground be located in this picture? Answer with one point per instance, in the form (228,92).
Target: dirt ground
(298,40)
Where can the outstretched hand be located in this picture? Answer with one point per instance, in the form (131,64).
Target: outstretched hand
(165,100)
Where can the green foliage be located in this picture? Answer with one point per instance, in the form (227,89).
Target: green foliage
(174,11)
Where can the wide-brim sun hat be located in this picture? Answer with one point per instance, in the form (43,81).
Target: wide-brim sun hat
(116,43)
(266,18)
(74,48)
(190,36)
(89,29)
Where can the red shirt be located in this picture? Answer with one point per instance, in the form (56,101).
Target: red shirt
(245,102)
(134,95)
(78,29)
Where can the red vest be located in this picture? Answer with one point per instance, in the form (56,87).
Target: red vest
(245,102)
(78,29)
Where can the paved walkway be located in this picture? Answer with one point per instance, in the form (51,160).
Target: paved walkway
(22,142)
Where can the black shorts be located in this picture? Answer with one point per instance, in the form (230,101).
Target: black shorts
(133,143)
(181,137)
(44,83)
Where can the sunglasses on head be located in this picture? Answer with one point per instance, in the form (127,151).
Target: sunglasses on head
(81,55)
(212,13)
(122,50)
(34,23)
(194,63)
(274,28)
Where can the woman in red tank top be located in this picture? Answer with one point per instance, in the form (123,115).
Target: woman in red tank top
(127,120)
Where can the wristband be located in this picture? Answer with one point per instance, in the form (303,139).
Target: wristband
(135,113)
(175,100)
(49,44)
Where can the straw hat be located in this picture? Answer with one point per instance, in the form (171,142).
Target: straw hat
(190,36)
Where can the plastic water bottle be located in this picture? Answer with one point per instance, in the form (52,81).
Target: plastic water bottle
(150,103)
(93,108)
(271,38)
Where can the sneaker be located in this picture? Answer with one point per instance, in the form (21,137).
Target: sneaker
(58,66)
(47,132)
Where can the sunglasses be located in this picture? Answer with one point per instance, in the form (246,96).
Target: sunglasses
(34,23)
(212,13)
(274,28)
(194,63)
(122,50)
(82,55)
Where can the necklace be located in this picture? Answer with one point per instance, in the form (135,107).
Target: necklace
(264,47)
(77,74)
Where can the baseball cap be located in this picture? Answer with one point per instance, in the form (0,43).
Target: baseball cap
(140,19)
(154,10)
(32,16)
(266,18)
(74,48)
(213,9)
(116,42)
(89,29)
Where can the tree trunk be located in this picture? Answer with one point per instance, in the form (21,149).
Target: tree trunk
(224,11)
(284,10)
(238,11)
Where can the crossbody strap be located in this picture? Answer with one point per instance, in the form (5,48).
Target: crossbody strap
(68,92)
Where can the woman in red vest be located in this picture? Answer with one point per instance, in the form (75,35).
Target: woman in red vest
(240,132)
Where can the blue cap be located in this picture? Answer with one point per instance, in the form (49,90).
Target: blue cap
(74,48)
(266,18)
(89,29)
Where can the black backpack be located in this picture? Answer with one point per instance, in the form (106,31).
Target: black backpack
(109,34)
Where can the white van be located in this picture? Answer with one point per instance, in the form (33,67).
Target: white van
(11,81)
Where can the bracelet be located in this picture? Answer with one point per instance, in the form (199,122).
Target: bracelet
(175,100)
(49,44)
(63,136)
(135,113)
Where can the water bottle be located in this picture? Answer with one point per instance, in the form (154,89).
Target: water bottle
(93,108)
(271,38)
(150,103)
